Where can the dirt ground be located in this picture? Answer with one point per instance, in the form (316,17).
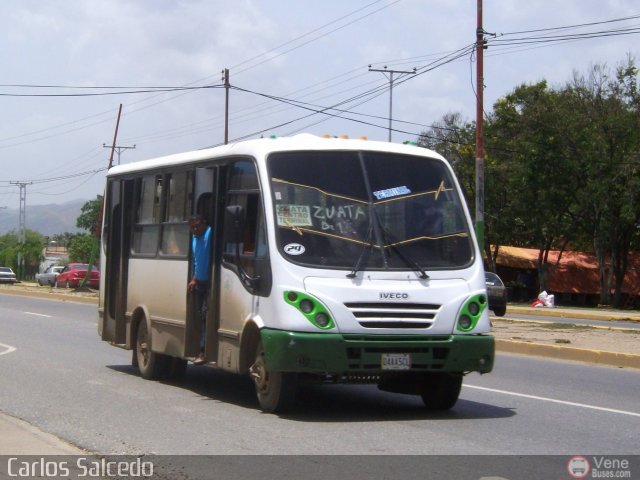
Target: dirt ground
(563,334)
(558,333)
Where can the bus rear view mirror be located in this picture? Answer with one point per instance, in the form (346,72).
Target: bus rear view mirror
(233,221)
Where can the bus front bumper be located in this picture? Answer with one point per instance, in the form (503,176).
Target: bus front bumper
(327,353)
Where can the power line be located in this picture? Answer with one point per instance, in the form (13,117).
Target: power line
(100,94)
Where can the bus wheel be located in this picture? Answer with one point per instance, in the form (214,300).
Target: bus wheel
(440,391)
(276,391)
(152,365)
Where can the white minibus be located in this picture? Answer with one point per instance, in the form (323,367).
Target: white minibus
(332,260)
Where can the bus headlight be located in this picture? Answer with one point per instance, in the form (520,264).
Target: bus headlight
(306,306)
(471,312)
(322,320)
(311,308)
(465,322)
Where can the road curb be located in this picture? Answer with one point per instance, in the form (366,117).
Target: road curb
(599,357)
(65,297)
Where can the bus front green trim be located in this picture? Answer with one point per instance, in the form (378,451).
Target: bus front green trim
(336,354)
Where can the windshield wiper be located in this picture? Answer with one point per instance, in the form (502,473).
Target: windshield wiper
(366,246)
(407,259)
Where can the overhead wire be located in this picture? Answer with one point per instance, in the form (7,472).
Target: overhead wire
(372,93)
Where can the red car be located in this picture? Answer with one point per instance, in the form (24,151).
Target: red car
(71,276)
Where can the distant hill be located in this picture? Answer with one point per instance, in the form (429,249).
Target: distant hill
(48,219)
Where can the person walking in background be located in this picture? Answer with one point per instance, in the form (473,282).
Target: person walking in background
(200,282)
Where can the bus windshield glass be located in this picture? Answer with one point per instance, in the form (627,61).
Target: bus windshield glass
(368,211)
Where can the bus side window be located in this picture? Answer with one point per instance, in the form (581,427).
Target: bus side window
(175,224)
(147,220)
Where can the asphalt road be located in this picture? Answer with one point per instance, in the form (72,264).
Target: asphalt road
(58,375)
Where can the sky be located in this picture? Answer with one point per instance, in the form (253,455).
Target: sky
(67,65)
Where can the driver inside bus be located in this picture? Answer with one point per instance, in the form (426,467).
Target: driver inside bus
(199,284)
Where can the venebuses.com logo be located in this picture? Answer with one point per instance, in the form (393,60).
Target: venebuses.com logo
(578,467)
(598,467)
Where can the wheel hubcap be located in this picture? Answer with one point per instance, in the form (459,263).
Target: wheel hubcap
(143,347)
(259,374)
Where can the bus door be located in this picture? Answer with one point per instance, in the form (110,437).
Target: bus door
(118,226)
(206,204)
(245,273)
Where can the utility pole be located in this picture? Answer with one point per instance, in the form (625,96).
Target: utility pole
(118,149)
(386,71)
(227,85)
(22,223)
(114,147)
(479,129)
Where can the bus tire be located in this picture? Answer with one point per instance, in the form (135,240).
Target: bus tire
(276,391)
(152,365)
(500,311)
(440,391)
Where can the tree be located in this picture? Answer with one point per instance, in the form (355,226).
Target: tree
(81,248)
(31,251)
(561,165)
(528,135)
(609,106)
(88,219)
(90,211)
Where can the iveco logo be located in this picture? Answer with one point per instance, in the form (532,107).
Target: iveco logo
(393,296)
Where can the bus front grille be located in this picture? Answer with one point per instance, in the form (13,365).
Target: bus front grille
(394,315)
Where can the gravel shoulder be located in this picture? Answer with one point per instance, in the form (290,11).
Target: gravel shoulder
(562,334)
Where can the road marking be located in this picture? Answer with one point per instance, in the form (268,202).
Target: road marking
(553,400)
(8,349)
(38,314)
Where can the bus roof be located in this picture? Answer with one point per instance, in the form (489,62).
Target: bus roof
(264,146)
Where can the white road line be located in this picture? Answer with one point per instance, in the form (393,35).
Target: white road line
(553,400)
(38,314)
(8,349)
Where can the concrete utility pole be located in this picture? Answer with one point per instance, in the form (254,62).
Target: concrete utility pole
(480,46)
(22,223)
(386,71)
(227,85)
(118,149)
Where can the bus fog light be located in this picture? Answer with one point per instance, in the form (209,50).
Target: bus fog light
(464,322)
(322,319)
(306,306)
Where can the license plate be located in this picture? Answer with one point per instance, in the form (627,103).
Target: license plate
(396,361)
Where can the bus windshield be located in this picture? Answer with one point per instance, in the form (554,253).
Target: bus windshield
(368,211)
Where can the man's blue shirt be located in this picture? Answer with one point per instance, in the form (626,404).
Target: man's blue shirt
(201,251)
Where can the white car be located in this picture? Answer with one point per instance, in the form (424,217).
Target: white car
(7,275)
(49,275)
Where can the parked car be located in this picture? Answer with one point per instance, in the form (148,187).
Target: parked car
(72,274)
(49,275)
(497,294)
(7,275)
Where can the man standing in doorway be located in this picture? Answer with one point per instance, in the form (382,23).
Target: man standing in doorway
(201,251)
